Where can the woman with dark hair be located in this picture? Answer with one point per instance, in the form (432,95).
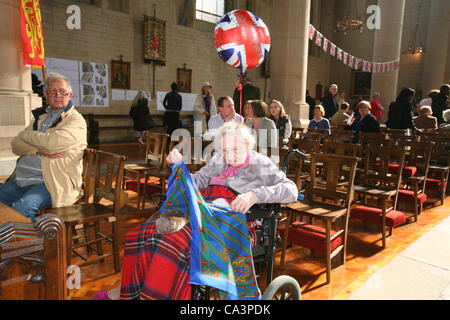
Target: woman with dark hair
(440,103)
(400,114)
(263,126)
(172,103)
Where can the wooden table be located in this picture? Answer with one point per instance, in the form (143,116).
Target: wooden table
(32,257)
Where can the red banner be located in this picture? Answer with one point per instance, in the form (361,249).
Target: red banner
(32,35)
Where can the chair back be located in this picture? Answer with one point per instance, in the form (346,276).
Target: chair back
(305,146)
(328,186)
(155,149)
(340,148)
(418,154)
(345,136)
(377,170)
(372,138)
(110,165)
(88,174)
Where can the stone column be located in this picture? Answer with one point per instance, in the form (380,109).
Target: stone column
(387,46)
(436,47)
(289,57)
(16,97)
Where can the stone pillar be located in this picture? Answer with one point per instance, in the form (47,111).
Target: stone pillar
(289,57)
(436,47)
(387,46)
(16,97)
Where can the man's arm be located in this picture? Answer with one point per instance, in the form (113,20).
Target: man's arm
(20,147)
(69,134)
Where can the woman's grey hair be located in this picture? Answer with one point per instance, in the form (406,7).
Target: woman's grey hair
(446,115)
(56,76)
(235,128)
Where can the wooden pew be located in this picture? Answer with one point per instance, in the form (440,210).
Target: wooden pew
(32,257)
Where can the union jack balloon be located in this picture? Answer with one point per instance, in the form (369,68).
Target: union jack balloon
(242,40)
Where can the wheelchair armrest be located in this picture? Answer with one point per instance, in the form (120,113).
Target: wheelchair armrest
(262,211)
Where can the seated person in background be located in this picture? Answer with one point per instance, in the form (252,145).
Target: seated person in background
(424,120)
(446,116)
(235,165)
(340,117)
(427,101)
(364,122)
(225,106)
(319,122)
(281,119)
(51,149)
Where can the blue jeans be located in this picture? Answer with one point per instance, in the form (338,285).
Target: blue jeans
(26,200)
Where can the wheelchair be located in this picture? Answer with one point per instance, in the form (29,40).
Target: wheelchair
(283,287)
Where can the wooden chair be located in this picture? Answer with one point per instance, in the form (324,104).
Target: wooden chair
(340,148)
(327,203)
(380,184)
(372,138)
(135,175)
(415,170)
(438,173)
(345,136)
(81,217)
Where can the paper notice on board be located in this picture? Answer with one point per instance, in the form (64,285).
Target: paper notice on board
(118,94)
(188,100)
(94,84)
(131,94)
(65,67)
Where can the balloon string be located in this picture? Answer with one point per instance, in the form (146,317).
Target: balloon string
(241,79)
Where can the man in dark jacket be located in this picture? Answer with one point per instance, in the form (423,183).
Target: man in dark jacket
(249,92)
(400,115)
(440,103)
(329,101)
(310,102)
(172,103)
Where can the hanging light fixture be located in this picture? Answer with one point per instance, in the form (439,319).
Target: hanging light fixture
(415,44)
(348,24)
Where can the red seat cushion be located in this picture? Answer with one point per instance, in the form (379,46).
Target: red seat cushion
(394,218)
(312,240)
(151,188)
(405,195)
(408,171)
(434,184)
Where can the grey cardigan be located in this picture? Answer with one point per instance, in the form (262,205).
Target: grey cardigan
(262,176)
(268,128)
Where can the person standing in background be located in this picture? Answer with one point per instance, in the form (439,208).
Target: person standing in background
(376,106)
(440,103)
(205,106)
(173,103)
(249,92)
(140,114)
(329,101)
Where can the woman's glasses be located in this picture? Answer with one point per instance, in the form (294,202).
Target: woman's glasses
(60,92)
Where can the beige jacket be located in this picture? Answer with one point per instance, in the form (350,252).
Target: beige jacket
(199,108)
(62,176)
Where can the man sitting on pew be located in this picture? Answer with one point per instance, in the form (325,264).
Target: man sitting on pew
(48,171)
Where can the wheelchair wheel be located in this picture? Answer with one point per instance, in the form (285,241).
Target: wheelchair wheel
(282,288)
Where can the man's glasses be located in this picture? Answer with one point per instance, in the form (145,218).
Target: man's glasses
(60,92)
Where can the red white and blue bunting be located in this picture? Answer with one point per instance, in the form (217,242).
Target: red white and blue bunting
(348,59)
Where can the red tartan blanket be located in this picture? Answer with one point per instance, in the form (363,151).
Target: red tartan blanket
(156,266)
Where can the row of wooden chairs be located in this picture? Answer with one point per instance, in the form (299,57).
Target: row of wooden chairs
(383,181)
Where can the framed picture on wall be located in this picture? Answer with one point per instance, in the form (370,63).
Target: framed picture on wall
(184,79)
(361,84)
(120,74)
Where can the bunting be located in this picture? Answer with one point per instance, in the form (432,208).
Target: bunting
(348,59)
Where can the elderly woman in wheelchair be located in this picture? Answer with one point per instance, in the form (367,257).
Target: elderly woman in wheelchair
(157,260)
